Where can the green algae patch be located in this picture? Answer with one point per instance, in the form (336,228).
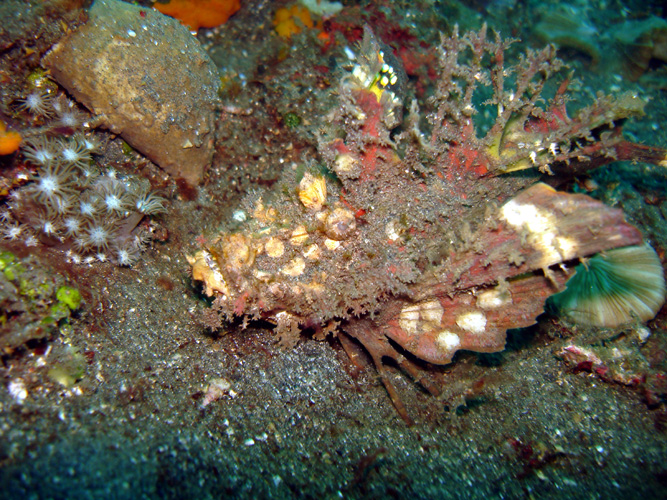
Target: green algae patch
(69,296)
(6,258)
(291,120)
(35,301)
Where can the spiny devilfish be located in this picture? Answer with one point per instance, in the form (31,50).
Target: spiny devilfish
(422,239)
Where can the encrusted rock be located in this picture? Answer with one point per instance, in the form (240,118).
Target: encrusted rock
(148,79)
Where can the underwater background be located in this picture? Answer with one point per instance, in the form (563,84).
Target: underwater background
(117,379)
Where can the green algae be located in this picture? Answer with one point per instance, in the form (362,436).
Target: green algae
(35,302)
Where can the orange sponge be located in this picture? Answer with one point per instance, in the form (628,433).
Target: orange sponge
(9,140)
(200,13)
(284,20)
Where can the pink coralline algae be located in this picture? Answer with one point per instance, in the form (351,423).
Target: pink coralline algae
(427,235)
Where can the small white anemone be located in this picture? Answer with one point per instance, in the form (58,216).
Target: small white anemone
(68,114)
(127,254)
(53,183)
(72,152)
(98,235)
(37,103)
(149,204)
(72,225)
(113,195)
(89,143)
(80,242)
(40,151)
(88,175)
(74,257)
(31,241)
(48,227)
(88,206)
(12,231)
(61,205)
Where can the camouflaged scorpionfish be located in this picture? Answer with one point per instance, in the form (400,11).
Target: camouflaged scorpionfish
(427,239)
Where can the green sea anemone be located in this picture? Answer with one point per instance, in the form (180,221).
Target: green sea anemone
(613,288)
